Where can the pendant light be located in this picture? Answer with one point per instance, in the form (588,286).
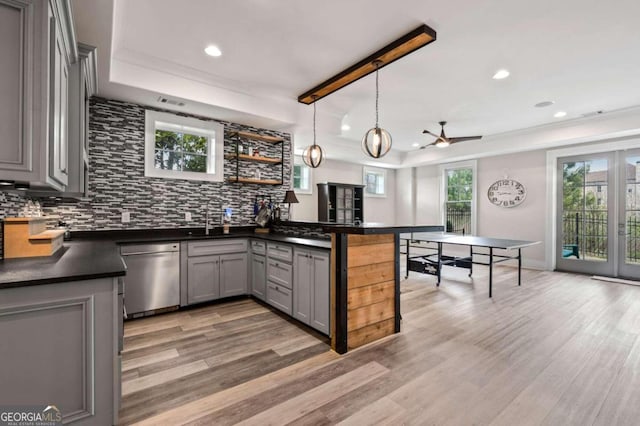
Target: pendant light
(377,141)
(313,155)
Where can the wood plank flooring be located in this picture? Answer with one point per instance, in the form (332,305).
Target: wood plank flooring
(563,349)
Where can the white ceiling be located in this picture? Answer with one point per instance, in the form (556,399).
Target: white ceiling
(581,54)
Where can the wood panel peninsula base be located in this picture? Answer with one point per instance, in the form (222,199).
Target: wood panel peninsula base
(365,282)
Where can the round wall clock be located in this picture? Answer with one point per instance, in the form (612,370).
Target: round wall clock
(506,193)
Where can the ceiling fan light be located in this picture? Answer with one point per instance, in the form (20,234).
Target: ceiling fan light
(376,142)
(312,156)
(442,143)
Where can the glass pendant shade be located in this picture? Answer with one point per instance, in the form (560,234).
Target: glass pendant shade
(312,156)
(376,142)
(442,143)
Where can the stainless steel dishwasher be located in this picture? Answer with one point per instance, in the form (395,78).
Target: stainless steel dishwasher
(153,277)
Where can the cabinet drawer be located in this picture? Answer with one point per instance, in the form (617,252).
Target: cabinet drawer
(279,297)
(280,273)
(204,248)
(280,251)
(258,247)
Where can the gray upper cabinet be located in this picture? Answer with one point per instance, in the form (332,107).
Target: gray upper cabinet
(82,86)
(37,48)
(311,303)
(233,274)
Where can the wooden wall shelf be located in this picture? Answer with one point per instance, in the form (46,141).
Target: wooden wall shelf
(256,181)
(256,158)
(263,138)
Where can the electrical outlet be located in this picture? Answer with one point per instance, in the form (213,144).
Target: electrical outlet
(187,216)
(126,217)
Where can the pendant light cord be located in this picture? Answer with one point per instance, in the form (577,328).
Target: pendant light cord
(377,92)
(314,124)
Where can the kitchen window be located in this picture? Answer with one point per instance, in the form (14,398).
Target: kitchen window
(179,147)
(375,181)
(459,197)
(301,178)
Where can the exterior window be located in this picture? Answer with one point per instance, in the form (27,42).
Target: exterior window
(375,181)
(459,198)
(183,148)
(302,179)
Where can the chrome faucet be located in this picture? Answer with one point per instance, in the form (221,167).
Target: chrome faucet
(207,222)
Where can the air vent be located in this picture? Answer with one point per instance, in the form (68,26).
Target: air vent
(593,114)
(169,101)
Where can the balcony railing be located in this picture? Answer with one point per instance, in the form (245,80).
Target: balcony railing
(458,219)
(586,233)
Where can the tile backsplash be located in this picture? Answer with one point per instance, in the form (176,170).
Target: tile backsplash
(117,182)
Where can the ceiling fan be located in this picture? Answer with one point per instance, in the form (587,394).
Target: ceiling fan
(443,141)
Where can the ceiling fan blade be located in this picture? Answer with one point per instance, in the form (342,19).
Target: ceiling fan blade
(429,144)
(432,134)
(464,138)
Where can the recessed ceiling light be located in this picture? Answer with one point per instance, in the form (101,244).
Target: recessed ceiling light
(544,104)
(212,50)
(560,114)
(500,74)
(415,144)
(345,127)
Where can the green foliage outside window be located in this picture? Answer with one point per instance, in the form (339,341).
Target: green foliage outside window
(180,151)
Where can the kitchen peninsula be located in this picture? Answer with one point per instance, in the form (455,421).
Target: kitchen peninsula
(365,282)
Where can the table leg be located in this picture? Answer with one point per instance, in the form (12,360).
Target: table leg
(406,273)
(439,263)
(470,260)
(490,271)
(519,265)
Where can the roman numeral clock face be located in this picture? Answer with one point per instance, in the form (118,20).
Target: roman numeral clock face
(506,193)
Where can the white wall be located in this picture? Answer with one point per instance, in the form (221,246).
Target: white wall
(524,222)
(376,209)
(405,196)
(428,196)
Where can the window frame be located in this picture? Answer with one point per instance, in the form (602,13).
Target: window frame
(298,162)
(212,130)
(443,170)
(376,170)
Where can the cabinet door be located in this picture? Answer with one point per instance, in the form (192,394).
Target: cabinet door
(16,107)
(58,104)
(233,274)
(302,286)
(203,278)
(258,276)
(320,291)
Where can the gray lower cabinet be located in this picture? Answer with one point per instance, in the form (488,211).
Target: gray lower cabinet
(311,303)
(60,347)
(279,297)
(203,278)
(233,274)
(216,269)
(259,276)
(280,276)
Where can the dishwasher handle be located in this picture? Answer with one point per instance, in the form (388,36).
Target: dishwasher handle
(136,253)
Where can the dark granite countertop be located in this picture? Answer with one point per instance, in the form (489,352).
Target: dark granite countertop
(96,254)
(77,260)
(380,228)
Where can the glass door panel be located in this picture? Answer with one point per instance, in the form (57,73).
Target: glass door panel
(584,243)
(629,224)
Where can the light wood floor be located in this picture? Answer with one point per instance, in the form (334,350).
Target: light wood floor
(562,350)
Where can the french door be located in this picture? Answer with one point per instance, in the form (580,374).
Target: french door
(598,219)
